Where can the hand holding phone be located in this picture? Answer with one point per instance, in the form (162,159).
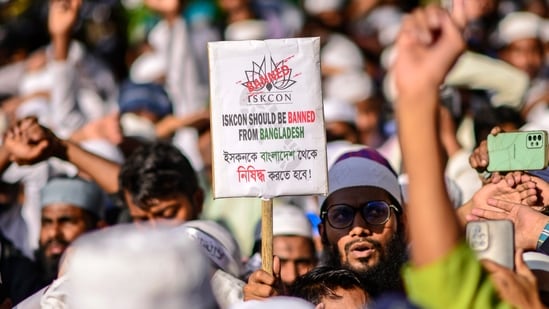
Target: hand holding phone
(517,151)
(493,240)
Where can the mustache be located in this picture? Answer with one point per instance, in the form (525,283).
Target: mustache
(56,241)
(375,244)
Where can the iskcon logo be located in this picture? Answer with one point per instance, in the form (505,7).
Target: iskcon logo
(277,78)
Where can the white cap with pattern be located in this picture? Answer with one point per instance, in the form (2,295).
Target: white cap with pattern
(138,267)
(518,26)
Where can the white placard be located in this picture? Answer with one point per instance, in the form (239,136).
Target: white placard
(267,118)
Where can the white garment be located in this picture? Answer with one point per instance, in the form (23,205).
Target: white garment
(459,170)
(52,296)
(66,116)
(506,83)
(10,76)
(227,289)
(539,114)
(182,82)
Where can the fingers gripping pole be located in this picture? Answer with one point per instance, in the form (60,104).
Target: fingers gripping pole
(267,235)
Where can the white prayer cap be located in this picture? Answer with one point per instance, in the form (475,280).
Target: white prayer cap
(336,110)
(148,68)
(217,243)
(288,220)
(389,34)
(138,267)
(314,7)
(246,30)
(387,20)
(388,57)
(351,86)
(341,53)
(76,192)
(275,303)
(104,148)
(518,26)
(363,167)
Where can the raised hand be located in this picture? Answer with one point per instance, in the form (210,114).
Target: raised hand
(523,192)
(429,43)
(520,288)
(542,190)
(62,16)
(262,285)
(528,222)
(168,8)
(479,158)
(28,142)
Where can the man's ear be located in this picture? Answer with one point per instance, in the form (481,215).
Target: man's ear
(322,232)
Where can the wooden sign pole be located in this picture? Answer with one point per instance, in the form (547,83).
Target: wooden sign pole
(267,235)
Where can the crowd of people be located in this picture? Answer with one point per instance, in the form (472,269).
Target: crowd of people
(106,157)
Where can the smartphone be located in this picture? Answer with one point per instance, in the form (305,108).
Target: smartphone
(517,151)
(493,240)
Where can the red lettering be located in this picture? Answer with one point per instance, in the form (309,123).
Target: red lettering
(250,86)
(311,116)
(301,117)
(285,70)
(270,77)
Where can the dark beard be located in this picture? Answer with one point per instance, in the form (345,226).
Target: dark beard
(383,277)
(49,266)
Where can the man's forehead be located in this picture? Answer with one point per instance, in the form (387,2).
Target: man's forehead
(155,203)
(286,245)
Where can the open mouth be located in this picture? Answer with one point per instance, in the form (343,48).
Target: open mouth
(56,248)
(361,250)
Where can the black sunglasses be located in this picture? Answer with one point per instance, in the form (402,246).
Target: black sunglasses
(341,216)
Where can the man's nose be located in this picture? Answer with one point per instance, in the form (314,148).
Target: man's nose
(54,230)
(360,227)
(289,272)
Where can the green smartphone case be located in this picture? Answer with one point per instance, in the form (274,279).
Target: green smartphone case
(517,151)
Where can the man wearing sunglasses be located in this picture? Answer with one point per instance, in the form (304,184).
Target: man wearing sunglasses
(362,225)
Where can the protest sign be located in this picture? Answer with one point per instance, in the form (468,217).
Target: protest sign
(267,119)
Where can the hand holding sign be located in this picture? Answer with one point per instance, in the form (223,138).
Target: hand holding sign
(267,128)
